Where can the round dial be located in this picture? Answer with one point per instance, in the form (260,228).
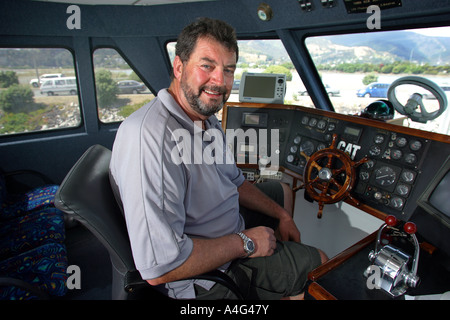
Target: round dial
(305,120)
(379,138)
(402,189)
(396,154)
(410,158)
(364,175)
(321,124)
(374,150)
(307,147)
(408,176)
(397,202)
(312,122)
(385,176)
(415,145)
(401,142)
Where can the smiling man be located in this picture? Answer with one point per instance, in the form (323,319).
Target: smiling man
(188,218)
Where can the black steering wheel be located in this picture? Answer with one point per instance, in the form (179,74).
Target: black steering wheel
(415,108)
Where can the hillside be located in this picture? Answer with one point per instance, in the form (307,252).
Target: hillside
(376,47)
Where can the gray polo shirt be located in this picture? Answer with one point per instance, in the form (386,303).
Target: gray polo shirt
(168,199)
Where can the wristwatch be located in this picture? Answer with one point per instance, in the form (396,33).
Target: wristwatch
(249,246)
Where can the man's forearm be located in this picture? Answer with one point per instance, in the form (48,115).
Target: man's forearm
(206,255)
(253,198)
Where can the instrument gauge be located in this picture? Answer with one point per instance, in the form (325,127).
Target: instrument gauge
(331,126)
(407,176)
(307,147)
(312,122)
(321,146)
(364,175)
(385,176)
(396,154)
(305,120)
(297,139)
(294,149)
(375,150)
(410,158)
(415,145)
(379,138)
(401,142)
(402,189)
(369,164)
(397,202)
(321,124)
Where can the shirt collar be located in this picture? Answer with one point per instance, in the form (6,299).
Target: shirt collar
(177,112)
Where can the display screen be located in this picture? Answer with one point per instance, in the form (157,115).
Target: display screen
(251,119)
(247,148)
(261,87)
(353,132)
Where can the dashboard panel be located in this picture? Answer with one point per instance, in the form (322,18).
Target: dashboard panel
(401,161)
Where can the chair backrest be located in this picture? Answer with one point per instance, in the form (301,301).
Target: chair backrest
(86,194)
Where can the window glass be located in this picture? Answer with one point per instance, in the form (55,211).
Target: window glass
(38,90)
(357,70)
(265,56)
(119,89)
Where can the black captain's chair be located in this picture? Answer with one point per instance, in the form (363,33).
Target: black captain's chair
(87,196)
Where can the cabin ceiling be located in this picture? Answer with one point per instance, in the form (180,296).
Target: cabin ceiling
(123,2)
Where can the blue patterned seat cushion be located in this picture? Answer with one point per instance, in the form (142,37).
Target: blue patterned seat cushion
(38,227)
(14,205)
(44,267)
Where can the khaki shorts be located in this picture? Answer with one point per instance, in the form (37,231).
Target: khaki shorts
(268,278)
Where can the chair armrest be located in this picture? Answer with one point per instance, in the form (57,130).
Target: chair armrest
(134,281)
(9,281)
(223,279)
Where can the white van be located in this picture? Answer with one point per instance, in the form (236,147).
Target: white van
(67,85)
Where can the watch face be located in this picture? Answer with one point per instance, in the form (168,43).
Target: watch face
(250,246)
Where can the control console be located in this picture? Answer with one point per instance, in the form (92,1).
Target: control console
(400,161)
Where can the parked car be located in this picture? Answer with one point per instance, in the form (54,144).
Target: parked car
(37,82)
(236,84)
(130,86)
(66,85)
(374,90)
(429,95)
(330,91)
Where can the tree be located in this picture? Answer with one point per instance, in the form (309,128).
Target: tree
(8,78)
(369,78)
(106,88)
(280,70)
(17,98)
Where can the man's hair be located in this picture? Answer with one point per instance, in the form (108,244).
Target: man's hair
(205,27)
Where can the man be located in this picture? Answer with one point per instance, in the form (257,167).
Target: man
(184,218)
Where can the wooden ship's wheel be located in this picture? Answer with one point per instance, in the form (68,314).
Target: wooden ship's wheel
(330,175)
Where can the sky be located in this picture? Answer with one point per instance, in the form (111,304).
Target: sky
(437,32)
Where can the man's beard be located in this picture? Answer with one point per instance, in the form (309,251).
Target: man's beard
(198,105)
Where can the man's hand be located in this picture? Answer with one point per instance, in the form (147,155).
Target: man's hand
(287,230)
(264,240)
